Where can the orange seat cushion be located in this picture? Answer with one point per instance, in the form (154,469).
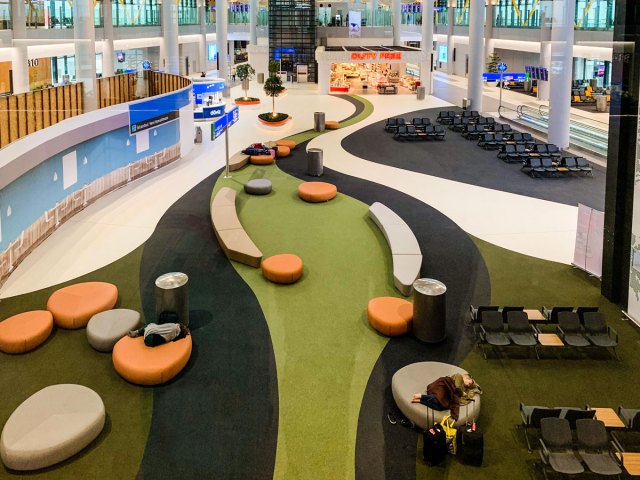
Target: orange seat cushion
(282,151)
(25,331)
(317,191)
(390,316)
(142,365)
(331,125)
(73,306)
(284,268)
(286,143)
(261,159)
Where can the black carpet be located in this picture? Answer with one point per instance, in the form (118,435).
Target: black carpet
(464,161)
(219,417)
(385,451)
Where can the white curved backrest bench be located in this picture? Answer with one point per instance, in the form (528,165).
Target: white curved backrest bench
(232,237)
(405,251)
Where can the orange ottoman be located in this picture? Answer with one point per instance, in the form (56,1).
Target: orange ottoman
(73,306)
(331,125)
(286,143)
(282,151)
(25,331)
(261,159)
(142,365)
(390,316)
(284,268)
(317,191)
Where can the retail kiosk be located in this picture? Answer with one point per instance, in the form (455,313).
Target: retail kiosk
(207,94)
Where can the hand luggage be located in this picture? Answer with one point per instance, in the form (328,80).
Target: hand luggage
(450,432)
(470,446)
(434,445)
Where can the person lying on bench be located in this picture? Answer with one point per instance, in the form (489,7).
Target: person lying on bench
(155,334)
(448,393)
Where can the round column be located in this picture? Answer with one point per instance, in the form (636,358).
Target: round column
(107,42)
(427,45)
(546,16)
(476,52)
(84,36)
(429,310)
(396,20)
(221,42)
(202,39)
(253,22)
(172,296)
(170,46)
(451,20)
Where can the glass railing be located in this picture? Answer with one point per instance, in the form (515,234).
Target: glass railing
(187,15)
(263,17)
(5,15)
(381,18)
(238,14)
(140,13)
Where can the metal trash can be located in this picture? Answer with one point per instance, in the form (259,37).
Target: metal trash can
(261,78)
(198,135)
(172,297)
(421,92)
(466,103)
(314,162)
(318,121)
(601,103)
(429,310)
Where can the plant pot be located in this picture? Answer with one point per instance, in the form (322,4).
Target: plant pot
(274,124)
(240,101)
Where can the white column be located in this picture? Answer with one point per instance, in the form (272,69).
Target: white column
(546,17)
(253,22)
(560,72)
(170,51)
(84,36)
(427,44)
(202,39)
(18,19)
(324,74)
(232,59)
(476,50)
(107,44)
(488,32)
(19,67)
(221,42)
(396,20)
(451,19)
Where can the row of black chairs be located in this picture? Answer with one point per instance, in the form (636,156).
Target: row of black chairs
(392,124)
(493,141)
(550,314)
(519,152)
(532,415)
(411,132)
(446,117)
(476,130)
(460,124)
(544,166)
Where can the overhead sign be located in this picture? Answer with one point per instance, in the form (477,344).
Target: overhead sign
(502,67)
(202,89)
(373,56)
(155,111)
(221,124)
(495,77)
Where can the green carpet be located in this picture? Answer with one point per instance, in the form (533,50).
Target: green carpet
(67,358)
(323,345)
(558,379)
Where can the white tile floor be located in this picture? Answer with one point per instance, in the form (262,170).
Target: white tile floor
(123,220)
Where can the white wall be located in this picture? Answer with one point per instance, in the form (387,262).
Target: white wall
(187,129)
(259,58)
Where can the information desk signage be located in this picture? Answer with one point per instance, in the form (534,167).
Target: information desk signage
(152,112)
(202,89)
(507,77)
(374,56)
(221,124)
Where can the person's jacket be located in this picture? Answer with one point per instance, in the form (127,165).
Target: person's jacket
(444,389)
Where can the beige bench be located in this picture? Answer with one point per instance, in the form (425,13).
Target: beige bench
(237,161)
(405,251)
(233,239)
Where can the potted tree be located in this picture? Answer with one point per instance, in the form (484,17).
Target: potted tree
(273,87)
(245,73)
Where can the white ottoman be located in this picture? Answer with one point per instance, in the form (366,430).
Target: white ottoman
(414,378)
(51,426)
(106,328)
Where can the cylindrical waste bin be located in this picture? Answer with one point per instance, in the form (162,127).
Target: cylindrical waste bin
(422,92)
(198,138)
(429,310)
(601,103)
(314,162)
(318,121)
(261,78)
(172,298)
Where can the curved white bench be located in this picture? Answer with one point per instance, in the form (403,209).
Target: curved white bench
(50,426)
(414,378)
(232,237)
(405,251)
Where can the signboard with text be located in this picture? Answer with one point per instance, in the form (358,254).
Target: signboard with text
(221,124)
(375,56)
(152,112)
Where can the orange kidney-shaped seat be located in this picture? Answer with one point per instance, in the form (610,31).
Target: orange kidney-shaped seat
(261,159)
(282,151)
(142,365)
(283,268)
(73,306)
(390,316)
(286,143)
(25,331)
(317,191)
(331,125)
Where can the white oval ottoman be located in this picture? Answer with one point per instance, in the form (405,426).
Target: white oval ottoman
(51,426)
(414,378)
(106,328)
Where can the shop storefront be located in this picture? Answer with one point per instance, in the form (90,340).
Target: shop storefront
(383,70)
(207,94)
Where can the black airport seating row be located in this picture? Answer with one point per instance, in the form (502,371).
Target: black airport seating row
(411,132)
(392,124)
(446,117)
(519,152)
(546,166)
(476,130)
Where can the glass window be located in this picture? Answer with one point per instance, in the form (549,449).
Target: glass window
(595,14)
(5,14)
(135,13)
(188,13)
(517,14)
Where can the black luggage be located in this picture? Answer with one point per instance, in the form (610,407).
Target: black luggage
(434,447)
(470,446)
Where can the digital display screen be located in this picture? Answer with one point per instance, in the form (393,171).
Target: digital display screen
(120,57)
(212,50)
(442,53)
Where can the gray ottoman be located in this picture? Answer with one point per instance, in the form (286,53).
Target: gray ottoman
(414,378)
(258,186)
(106,328)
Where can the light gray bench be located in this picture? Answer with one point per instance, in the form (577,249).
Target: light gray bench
(405,251)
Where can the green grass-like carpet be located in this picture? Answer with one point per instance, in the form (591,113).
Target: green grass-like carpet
(323,345)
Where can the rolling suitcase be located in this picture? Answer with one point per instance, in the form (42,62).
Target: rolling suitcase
(434,447)
(470,446)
